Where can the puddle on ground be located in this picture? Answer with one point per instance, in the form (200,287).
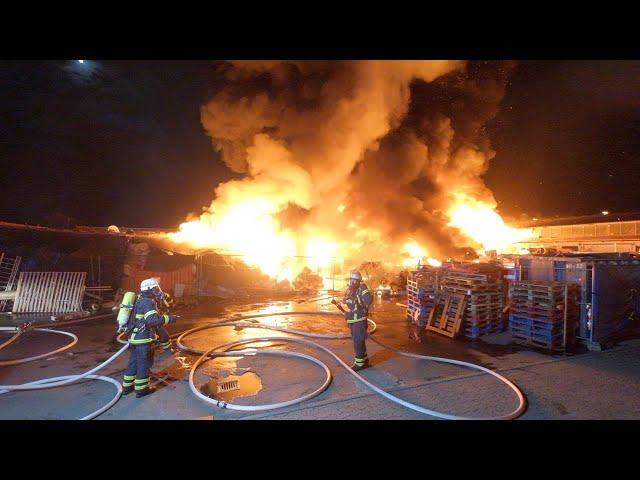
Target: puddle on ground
(249,385)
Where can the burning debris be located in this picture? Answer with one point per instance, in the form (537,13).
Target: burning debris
(351,160)
(307,280)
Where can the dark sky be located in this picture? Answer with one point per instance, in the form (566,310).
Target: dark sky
(568,139)
(121,142)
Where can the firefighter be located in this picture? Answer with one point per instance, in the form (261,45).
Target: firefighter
(142,325)
(358,299)
(163,306)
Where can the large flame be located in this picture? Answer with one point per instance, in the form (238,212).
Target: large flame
(418,254)
(342,165)
(249,230)
(481,223)
(246,229)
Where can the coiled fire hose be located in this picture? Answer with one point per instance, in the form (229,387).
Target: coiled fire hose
(20,330)
(240,322)
(62,380)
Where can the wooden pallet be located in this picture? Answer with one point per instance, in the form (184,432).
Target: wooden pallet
(477,331)
(479,296)
(481,324)
(486,307)
(483,318)
(447,319)
(546,344)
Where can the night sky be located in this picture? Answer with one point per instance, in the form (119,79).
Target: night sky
(120,142)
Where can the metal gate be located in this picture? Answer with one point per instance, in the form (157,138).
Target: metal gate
(49,292)
(9,267)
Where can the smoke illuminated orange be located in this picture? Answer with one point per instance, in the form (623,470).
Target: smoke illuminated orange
(322,187)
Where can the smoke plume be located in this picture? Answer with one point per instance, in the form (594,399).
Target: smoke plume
(372,153)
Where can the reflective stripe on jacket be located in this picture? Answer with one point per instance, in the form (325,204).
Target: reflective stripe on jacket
(358,301)
(146,317)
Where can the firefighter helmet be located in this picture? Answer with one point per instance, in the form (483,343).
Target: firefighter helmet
(355,275)
(149,284)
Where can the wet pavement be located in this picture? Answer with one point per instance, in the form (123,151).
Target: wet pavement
(588,385)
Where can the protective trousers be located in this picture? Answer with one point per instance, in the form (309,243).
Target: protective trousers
(163,337)
(138,369)
(359,335)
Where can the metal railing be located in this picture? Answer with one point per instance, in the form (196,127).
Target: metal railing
(49,292)
(9,267)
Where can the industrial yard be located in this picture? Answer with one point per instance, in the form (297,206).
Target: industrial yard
(557,387)
(499,321)
(319,240)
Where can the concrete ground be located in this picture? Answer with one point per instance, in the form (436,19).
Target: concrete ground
(589,385)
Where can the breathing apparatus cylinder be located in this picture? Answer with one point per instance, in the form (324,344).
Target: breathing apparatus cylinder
(125,310)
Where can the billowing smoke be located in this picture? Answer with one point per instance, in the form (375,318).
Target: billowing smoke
(372,153)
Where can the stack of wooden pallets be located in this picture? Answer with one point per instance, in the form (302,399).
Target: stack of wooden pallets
(539,312)
(484,295)
(422,286)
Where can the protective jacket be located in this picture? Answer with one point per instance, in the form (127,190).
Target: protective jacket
(358,300)
(144,319)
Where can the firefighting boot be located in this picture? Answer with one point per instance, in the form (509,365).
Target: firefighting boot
(356,368)
(144,392)
(360,364)
(128,382)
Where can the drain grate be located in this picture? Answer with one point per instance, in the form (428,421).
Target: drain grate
(228,386)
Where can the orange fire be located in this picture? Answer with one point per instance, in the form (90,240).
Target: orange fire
(417,254)
(481,223)
(248,229)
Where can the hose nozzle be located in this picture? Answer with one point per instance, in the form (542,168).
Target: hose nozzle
(333,300)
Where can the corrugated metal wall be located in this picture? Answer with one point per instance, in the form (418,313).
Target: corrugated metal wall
(168,280)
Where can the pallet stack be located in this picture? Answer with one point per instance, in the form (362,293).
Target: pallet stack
(483,288)
(539,312)
(422,286)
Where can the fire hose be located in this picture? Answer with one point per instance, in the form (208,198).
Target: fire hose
(240,322)
(20,330)
(62,380)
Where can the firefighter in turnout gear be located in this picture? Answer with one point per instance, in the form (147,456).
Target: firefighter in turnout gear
(142,331)
(358,299)
(164,305)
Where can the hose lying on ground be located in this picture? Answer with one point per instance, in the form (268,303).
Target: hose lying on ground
(239,322)
(57,381)
(62,380)
(19,332)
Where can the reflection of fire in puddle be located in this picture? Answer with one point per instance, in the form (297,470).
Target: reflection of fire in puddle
(245,385)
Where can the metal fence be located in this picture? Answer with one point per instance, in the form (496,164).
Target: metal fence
(9,267)
(50,292)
